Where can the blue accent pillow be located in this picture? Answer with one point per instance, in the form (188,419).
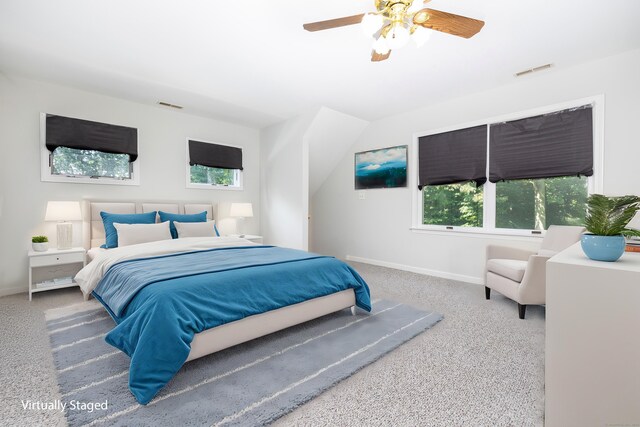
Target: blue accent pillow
(166,216)
(111,235)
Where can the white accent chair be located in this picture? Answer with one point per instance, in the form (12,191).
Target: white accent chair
(520,274)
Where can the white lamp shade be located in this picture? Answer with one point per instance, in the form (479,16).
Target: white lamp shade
(242,210)
(63,211)
(420,36)
(380,46)
(397,37)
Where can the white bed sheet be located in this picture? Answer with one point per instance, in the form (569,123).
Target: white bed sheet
(94,252)
(89,277)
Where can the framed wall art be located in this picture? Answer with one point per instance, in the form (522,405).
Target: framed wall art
(383,168)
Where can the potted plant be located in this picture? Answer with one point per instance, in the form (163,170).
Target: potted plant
(606,223)
(40,243)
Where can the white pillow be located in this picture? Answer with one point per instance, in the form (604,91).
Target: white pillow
(132,234)
(195,229)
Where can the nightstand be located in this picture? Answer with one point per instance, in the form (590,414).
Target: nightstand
(250,237)
(253,238)
(54,269)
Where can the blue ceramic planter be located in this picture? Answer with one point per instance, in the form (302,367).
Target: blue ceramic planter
(602,248)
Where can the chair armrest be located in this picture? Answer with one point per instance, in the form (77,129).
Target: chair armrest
(508,252)
(533,286)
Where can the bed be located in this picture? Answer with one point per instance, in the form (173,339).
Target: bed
(178,300)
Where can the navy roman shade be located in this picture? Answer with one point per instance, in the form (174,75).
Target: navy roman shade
(87,135)
(545,146)
(453,157)
(214,155)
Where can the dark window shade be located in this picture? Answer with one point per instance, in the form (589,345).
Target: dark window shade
(452,157)
(87,135)
(546,146)
(214,155)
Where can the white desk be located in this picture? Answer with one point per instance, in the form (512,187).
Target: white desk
(592,356)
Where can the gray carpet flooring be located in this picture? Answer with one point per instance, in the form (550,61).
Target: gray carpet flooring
(481,365)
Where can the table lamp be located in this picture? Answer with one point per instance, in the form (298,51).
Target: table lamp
(241,210)
(63,212)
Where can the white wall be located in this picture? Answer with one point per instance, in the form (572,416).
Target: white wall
(161,142)
(285,182)
(297,156)
(377,228)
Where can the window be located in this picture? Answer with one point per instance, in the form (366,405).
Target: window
(535,204)
(451,172)
(453,204)
(539,172)
(83,151)
(89,163)
(213,165)
(213,176)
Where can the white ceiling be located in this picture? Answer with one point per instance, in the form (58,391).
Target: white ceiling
(251,62)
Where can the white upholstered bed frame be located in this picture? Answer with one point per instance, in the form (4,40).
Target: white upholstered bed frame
(230,334)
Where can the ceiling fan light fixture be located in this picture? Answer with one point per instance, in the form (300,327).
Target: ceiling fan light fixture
(380,46)
(397,37)
(371,23)
(421,17)
(395,22)
(420,36)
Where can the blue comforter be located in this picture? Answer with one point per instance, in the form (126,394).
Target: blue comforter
(160,303)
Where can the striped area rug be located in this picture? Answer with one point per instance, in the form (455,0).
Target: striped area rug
(250,384)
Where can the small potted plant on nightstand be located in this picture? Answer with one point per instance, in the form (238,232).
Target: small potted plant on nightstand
(40,243)
(606,223)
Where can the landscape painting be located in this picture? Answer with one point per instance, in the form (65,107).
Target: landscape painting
(384,168)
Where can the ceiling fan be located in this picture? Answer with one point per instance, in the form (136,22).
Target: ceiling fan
(396,21)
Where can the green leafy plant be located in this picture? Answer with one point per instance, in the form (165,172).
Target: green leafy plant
(39,239)
(609,216)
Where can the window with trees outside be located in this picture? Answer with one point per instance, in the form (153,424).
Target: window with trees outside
(213,176)
(82,151)
(535,204)
(89,163)
(525,174)
(212,165)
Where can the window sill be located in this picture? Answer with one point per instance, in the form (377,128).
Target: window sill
(214,187)
(501,234)
(84,180)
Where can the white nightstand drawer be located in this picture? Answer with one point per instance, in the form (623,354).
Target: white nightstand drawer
(44,260)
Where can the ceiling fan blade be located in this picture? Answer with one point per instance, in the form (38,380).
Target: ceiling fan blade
(377,57)
(449,23)
(333,23)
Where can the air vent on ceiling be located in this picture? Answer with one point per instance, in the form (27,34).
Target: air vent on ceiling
(533,70)
(166,104)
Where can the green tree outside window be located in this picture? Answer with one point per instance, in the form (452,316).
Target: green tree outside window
(213,176)
(535,204)
(74,162)
(453,204)
(527,204)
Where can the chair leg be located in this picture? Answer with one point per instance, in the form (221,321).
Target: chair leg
(521,310)
(487,292)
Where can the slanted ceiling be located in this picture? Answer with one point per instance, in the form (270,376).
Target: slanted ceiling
(330,136)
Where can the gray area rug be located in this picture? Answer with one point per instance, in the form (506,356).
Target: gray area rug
(250,384)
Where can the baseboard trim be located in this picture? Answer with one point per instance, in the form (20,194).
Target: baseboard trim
(418,270)
(12,291)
